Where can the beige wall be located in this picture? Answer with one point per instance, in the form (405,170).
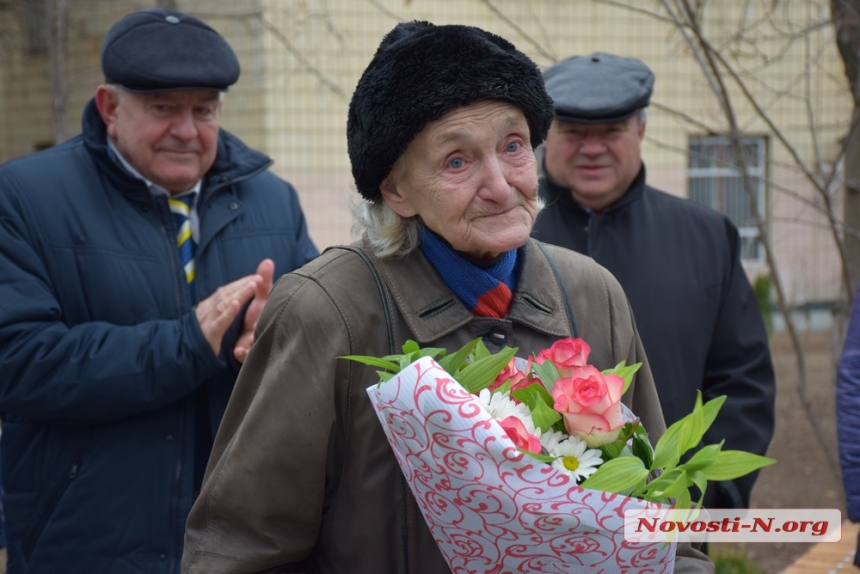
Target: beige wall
(302,58)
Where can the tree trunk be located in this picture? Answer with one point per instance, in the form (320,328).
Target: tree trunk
(56,14)
(846,21)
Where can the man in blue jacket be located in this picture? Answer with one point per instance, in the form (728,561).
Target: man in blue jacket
(135,260)
(678,262)
(848,416)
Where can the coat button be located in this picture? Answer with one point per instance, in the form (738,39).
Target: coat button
(233,205)
(169,437)
(163,556)
(498,336)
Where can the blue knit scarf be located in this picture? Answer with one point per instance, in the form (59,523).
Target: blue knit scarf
(486,292)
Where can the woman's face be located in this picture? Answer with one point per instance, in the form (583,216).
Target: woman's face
(471,177)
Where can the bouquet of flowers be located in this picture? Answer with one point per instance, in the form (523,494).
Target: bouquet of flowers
(529,464)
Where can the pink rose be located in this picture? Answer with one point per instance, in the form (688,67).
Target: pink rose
(566,355)
(519,379)
(590,403)
(521,437)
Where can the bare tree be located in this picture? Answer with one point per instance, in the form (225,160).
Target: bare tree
(846,21)
(730,81)
(735,82)
(56,40)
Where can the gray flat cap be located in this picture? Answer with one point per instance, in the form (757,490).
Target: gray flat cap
(599,88)
(158,49)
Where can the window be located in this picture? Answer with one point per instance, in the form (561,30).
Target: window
(715,181)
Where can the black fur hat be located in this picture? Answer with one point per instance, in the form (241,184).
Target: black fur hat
(420,72)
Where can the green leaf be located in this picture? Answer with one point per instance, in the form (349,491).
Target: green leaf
(710,410)
(693,428)
(481,350)
(544,416)
(374,362)
(504,388)
(454,363)
(541,457)
(701,483)
(683,499)
(668,488)
(545,413)
(628,430)
(617,475)
(669,485)
(642,448)
(663,482)
(613,449)
(666,453)
(481,374)
(533,394)
(432,352)
(625,372)
(539,402)
(732,464)
(547,373)
(707,456)
(410,346)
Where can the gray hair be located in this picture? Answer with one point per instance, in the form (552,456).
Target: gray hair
(389,234)
(121,91)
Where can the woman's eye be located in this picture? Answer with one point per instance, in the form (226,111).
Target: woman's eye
(514,146)
(456,163)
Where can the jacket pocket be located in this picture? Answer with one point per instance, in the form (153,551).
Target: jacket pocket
(30,545)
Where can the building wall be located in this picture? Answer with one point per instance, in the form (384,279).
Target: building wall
(302,58)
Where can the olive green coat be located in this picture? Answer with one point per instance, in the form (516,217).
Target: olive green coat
(302,473)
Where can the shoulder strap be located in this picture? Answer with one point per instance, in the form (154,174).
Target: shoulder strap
(570,319)
(380,287)
(404,492)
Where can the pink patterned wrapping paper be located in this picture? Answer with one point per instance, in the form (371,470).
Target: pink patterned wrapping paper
(490,508)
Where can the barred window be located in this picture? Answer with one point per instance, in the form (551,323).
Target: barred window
(715,180)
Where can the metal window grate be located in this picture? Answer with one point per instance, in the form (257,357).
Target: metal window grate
(714,178)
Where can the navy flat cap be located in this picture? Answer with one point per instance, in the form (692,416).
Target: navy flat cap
(158,49)
(599,88)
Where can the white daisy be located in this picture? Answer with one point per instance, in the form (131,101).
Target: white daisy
(550,439)
(574,457)
(501,406)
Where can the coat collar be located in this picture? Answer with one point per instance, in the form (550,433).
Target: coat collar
(432,311)
(234,161)
(551,192)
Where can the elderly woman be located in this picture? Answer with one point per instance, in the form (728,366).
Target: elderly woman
(442,130)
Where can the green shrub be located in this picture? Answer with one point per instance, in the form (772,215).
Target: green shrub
(734,561)
(762,287)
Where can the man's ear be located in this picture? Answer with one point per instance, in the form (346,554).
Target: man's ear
(107,102)
(398,203)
